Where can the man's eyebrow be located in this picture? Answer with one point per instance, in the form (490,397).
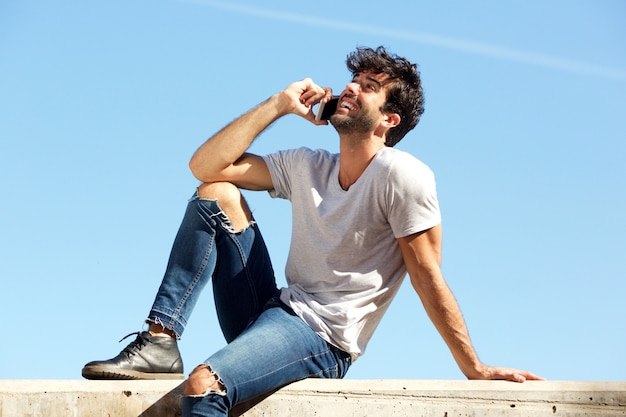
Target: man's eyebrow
(367,77)
(375,81)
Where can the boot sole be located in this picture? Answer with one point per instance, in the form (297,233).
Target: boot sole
(105,372)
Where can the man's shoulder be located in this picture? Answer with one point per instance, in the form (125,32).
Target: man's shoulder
(310,156)
(403,162)
(306,152)
(302,160)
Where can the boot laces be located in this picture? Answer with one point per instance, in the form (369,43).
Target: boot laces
(135,345)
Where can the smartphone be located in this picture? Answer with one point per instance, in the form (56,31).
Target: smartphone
(326,110)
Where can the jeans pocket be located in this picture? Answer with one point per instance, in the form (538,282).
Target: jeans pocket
(337,364)
(329,373)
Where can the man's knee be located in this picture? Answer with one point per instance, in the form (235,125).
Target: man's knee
(224,191)
(230,200)
(203,381)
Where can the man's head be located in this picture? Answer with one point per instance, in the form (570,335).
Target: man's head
(402,85)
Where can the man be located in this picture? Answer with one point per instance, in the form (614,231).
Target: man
(362,219)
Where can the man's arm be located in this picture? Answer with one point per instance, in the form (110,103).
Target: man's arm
(223,157)
(422,256)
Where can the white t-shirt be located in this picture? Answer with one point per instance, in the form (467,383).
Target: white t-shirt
(344,265)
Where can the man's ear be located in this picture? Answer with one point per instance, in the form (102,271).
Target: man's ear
(391,120)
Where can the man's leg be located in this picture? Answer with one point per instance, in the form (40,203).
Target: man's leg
(217,239)
(277,349)
(220,240)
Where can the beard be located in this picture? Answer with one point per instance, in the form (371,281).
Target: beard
(361,123)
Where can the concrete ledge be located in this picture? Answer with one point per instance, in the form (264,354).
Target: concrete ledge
(324,398)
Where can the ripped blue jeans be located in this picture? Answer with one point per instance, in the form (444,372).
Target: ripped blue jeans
(268,345)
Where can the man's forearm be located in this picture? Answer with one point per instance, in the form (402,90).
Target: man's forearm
(444,312)
(211,161)
(229,144)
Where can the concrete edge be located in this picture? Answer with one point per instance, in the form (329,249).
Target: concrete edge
(313,396)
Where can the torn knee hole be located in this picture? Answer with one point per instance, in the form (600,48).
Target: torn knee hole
(202,382)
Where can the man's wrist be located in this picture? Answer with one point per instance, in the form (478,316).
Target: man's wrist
(476,370)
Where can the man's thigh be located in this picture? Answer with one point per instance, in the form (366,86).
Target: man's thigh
(277,349)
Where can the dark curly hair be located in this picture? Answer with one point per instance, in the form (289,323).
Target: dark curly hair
(404,88)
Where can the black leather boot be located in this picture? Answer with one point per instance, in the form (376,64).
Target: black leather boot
(147,357)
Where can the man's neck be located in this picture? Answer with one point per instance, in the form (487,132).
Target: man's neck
(355,154)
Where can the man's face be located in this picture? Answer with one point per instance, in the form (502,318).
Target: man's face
(358,110)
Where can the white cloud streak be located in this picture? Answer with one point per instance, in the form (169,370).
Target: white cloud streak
(471,47)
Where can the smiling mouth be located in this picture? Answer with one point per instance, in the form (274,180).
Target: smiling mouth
(349,104)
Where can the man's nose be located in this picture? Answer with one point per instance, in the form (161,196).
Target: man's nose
(353,88)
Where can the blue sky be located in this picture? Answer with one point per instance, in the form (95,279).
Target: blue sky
(103,103)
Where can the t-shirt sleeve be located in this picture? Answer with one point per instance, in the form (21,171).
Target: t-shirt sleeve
(281,166)
(412,198)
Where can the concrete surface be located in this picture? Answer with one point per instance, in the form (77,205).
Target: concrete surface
(323,398)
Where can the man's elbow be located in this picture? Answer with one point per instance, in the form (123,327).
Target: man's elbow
(198,170)
(195,169)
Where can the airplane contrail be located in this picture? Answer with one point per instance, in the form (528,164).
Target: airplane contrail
(478,48)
